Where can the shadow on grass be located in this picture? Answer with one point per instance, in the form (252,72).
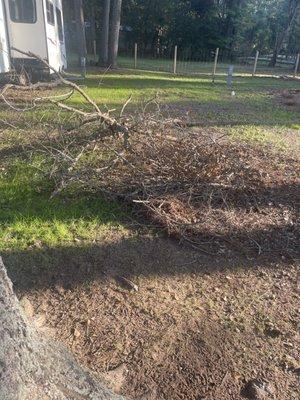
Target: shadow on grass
(138,80)
(72,250)
(212,104)
(44,238)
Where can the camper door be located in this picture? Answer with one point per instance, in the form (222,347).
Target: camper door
(61,34)
(54,32)
(26,27)
(4,48)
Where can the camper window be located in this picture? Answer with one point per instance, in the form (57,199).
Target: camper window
(59,25)
(23,11)
(50,13)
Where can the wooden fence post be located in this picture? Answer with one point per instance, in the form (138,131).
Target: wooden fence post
(135,55)
(297,65)
(255,63)
(95,50)
(175,60)
(215,64)
(83,66)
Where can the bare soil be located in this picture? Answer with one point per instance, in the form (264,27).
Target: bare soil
(291,98)
(199,327)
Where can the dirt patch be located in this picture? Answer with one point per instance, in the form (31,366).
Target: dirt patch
(291,98)
(189,325)
(29,94)
(198,327)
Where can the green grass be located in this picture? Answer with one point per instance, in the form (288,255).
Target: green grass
(189,67)
(114,88)
(30,218)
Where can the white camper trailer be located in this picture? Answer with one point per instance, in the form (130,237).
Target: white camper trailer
(34,26)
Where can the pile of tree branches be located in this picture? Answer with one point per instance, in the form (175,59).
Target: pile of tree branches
(211,192)
(215,193)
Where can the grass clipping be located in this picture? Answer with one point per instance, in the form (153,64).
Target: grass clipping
(217,194)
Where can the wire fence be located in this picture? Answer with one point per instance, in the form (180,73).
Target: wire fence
(209,63)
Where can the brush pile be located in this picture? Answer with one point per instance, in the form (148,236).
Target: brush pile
(211,191)
(215,193)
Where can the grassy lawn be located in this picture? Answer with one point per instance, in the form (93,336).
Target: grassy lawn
(199,325)
(117,86)
(191,67)
(28,217)
(201,67)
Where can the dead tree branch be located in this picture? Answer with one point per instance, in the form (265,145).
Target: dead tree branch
(103,117)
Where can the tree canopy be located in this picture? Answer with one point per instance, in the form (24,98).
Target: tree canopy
(237,27)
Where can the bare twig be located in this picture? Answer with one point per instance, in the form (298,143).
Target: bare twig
(125,105)
(105,117)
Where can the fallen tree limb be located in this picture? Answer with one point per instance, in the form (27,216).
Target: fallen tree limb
(104,117)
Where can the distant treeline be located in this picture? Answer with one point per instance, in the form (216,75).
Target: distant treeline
(237,27)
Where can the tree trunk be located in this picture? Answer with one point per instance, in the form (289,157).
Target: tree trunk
(104,33)
(276,50)
(32,368)
(114,33)
(233,10)
(93,29)
(80,30)
(294,7)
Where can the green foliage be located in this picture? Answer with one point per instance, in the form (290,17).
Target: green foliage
(238,27)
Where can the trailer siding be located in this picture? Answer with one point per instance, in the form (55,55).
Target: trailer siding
(4,46)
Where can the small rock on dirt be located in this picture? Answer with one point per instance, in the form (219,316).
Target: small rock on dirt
(115,378)
(257,389)
(27,307)
(39,320)
(76,333)
(126,283)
